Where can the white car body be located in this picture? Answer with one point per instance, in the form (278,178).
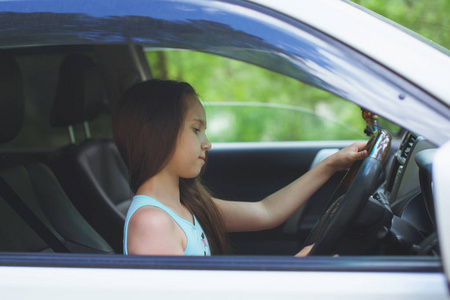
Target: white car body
(66,283)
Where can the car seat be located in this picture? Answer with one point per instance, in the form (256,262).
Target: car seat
(35,213)
(92,171)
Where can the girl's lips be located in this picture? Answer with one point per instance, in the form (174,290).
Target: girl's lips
(202,158)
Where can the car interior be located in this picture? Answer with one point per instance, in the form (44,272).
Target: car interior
(65,188)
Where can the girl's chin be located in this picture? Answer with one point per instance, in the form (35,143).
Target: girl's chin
(192,173)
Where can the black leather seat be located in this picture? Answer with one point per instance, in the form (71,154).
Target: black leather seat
(92,172)
(36,187)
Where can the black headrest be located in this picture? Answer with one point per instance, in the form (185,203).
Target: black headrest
(11,97)
(80,94)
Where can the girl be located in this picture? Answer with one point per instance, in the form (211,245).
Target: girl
(159,127)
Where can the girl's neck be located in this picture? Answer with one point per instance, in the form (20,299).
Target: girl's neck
(162,187)
(166,190)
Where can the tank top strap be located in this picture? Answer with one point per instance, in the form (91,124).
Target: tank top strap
(145,200)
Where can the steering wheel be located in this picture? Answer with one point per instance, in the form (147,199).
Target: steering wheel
(350,196)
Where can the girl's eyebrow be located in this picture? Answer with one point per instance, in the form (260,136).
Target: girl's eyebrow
(201,121)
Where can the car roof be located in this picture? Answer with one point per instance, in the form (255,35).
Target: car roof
(393,46)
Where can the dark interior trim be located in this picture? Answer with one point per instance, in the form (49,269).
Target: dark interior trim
(235,263)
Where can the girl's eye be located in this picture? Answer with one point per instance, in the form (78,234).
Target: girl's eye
(196,130)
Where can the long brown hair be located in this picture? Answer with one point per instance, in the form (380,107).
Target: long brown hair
(146,124)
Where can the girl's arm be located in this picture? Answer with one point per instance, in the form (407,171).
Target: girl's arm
(276,208)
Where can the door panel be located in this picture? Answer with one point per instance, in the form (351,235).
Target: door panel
(252,171)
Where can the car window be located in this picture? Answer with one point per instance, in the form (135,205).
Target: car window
(245,103)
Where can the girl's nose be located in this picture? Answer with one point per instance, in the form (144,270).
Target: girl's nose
(206,145)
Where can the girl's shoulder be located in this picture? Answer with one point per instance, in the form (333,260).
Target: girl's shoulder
(152,231)
(151,217)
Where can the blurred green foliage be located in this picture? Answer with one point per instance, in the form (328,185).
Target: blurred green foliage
(247,103)
(428,18)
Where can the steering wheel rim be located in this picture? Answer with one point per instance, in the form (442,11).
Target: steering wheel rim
(360,182)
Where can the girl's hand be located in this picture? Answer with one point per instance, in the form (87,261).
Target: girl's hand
(344,158)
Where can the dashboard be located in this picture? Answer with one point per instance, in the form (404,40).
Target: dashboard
(413,228)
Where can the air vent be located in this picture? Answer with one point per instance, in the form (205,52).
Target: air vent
(406,147)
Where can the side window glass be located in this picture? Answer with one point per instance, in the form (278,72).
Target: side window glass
(245,103)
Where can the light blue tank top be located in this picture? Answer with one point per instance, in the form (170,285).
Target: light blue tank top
(197,244)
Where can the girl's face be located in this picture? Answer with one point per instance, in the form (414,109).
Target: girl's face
(192,145)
